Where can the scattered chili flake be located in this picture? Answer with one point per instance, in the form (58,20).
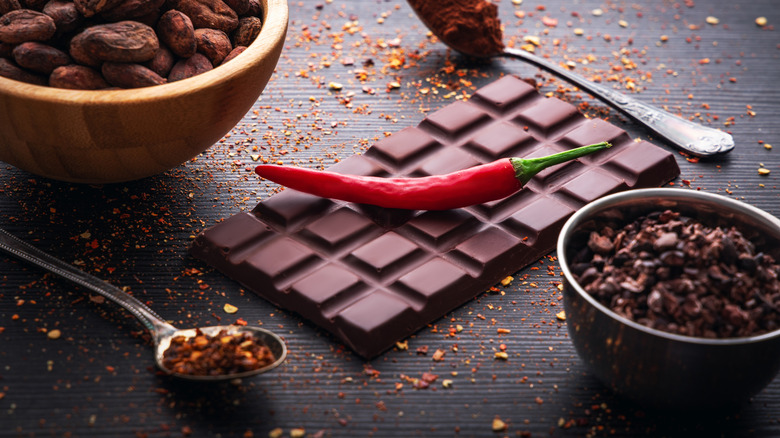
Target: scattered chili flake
(229,308)
(499,425)
(438,355)
(712,20)
(54,334)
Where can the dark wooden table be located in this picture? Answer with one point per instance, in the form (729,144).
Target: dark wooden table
(707,61)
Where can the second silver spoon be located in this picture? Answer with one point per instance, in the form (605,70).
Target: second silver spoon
(162,332)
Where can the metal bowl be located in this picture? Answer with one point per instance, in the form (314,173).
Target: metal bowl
(652,367)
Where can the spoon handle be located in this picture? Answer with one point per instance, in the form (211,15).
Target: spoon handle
(690,137)
(29,253)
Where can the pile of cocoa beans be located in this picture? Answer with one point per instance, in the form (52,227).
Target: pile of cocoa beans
(103,44)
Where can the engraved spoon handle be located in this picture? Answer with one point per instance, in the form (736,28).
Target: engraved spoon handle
(690,137)
(31,254)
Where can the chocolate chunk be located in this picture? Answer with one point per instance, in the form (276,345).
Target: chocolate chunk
(374,276)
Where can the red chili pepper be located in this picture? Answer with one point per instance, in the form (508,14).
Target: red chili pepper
(475,185)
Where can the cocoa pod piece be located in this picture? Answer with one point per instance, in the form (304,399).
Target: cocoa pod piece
(240,6)
(162,63)
(247,31)
(22,25)
(89,8)
(12,71)
(213,43)
(77,77)
(127,75)
(175,30)
(187,68)
(214,14)
(233,53)
(123,41)
(132,9)
(39,57)
(65,15)
(7,6)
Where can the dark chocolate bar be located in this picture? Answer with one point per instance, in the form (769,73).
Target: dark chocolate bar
(373,276)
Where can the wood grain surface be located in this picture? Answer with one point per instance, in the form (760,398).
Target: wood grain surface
(352,72)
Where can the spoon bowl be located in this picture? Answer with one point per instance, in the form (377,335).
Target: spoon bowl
(684,135)
(162,332)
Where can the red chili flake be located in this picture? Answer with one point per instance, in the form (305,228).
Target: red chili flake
(202,355)
(429,377)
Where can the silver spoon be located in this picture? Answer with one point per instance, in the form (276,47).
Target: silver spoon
(685,135)
(161,331)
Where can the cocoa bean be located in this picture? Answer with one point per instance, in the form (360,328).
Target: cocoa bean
(12,71)
(247,31)
(65,15)
(187,68)
(240,6)
(162,63)
(131,9)
(6,50)
(126,75)
(213,14)
(77,77)
(89,8)
(7,6)
(213,43)
(149,19)
(255,9)
(123,41)
(176,31)
(35,5)
(81,56)
(22,25)
(233,53)
(39,57)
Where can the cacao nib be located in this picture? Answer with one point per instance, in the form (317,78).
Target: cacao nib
(676,274)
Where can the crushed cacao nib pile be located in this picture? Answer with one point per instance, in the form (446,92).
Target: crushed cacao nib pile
(675,274)
(204,355)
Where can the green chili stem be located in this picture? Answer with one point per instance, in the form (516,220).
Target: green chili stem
(526,168)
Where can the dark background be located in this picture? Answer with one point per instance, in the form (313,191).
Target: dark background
(97,378)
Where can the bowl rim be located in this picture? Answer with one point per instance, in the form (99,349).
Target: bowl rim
(668,193)
(275,21)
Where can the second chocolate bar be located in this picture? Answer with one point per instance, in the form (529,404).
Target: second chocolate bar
(374,276)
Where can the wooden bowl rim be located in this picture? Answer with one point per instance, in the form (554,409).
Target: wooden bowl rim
(273,32)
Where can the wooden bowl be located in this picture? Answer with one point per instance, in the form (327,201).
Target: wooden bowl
(121,135)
